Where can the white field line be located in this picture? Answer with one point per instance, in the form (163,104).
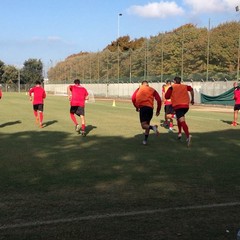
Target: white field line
(115,215)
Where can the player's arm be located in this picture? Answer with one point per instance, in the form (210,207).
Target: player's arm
(190,89)
(159,102)
(30,94)
(69,93)
(86,96)
(134,99)
(168,93)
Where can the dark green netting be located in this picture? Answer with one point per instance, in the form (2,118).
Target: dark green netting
(225,98)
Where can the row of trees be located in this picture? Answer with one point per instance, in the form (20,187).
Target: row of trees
(31,72)
(191,52)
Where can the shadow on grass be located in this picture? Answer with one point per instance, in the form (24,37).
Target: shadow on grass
(227,122)
(46,124)
(52,175)
(10,123)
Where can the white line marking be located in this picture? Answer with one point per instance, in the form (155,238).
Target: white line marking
(112,215)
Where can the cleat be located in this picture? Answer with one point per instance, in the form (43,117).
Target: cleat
(179,136)
(144,142)
(155,129)
(234,124)
(77,128)
(189,140)
(83,133)
(170,130)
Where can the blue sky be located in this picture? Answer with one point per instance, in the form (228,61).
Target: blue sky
(51,30)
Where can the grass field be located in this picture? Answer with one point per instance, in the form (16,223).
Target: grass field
(55,184)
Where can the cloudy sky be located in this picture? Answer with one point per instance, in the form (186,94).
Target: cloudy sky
(51,30)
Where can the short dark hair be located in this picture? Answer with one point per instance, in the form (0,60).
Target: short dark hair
(144,82)
(177,79)
(77,81)
(38,83)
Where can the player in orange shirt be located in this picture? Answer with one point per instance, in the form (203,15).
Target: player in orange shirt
(143,101)
(178,93)
(37,95)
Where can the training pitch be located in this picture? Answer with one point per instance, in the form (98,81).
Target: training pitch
(56,184)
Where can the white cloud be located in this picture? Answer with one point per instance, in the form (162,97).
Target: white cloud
(214,6)
(157,10)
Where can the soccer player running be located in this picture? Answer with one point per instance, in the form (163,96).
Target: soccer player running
(37,95)
(1,91)
(179,95)
(236,97)
(77,96)
(168,109)
(143,101)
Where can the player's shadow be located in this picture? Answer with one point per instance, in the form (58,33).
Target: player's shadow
(89,128)
(46,124)
(227,122)
(10,123)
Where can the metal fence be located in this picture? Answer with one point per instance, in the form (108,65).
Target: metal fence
(125,90)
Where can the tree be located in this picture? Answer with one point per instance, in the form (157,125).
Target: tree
(10,74)
(1,69)
(32,71)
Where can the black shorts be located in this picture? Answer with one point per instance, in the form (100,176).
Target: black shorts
(77,110)
(181,112)
(146,114)
(236,107)
(168,109)
(38,107)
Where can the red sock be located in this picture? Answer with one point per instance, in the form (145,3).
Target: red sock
(35,113)
(83,127)
(179,126)
(185,128)
(41,116)
(170,124)
(73,118)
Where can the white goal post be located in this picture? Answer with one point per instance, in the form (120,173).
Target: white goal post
(61,90)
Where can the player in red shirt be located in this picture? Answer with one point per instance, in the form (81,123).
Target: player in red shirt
(0,91)
(143,101)
(77,96)
(37,95)
(236,108)
(168,109)
(178,93)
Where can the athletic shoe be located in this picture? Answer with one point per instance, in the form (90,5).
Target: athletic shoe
(144,142)
(155,129)
(77,128)
(40,125)
(83,133)
(234,124)
(179,136)
(170,130)
(189,140)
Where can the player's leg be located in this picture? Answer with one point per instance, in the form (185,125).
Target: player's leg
(73,110)
(35,113)
(40,112)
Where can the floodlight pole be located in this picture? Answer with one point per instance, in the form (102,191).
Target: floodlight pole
(119,15)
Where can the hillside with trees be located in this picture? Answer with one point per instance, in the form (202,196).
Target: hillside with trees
(189,51)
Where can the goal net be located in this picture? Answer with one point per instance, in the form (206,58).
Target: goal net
(61,90)
(91,98)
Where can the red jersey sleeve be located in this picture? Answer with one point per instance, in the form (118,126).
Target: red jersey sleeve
(168,93)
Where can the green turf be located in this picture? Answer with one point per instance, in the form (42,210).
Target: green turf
(53,173)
